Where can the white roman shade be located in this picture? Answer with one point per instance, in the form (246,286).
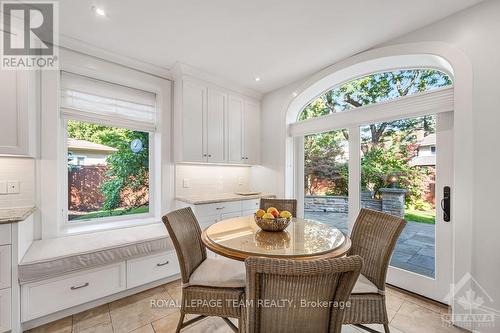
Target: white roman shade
(90,99)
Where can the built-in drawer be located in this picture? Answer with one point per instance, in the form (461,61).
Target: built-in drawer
(217,208)
(5,234)
(52,295)
(253,204)
(151,268)
(5,266)
(5,310)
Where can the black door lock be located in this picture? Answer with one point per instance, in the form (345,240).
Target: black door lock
(445,203)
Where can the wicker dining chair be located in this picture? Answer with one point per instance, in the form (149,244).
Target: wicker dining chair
(294,291)
(219,283)
(280,204)
(373,237)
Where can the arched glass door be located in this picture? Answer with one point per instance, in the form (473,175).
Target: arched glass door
(383,142)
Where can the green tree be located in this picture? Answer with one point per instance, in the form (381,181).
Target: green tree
(325,163)
(387,147)
(127,181)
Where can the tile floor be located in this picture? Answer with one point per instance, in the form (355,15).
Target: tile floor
(408,314)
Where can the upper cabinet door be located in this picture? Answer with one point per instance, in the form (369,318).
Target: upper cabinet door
(251,133)
(215,126)
(235,130)
(16,108)
(193,116)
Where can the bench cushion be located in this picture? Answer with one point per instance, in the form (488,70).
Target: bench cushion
(53,257)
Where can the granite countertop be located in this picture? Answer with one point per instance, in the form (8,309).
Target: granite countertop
(17,214)
(220,197)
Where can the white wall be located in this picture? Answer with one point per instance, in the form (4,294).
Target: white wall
(211,179)
(23,170)
(476,32)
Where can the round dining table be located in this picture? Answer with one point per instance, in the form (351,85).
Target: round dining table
(239,238)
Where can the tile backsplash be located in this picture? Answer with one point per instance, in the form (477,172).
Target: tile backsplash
(208,179)
(22,170)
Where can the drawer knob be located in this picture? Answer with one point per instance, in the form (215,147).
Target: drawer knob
(163,263)
(86,284)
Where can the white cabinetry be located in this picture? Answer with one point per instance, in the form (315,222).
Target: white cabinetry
(151,268)
(216,112)
(193,129)
(5,310)
(49,296)
(203,123)
(216,125)
(208,214)
(251,133)
(18,105)
(235,130)
(5,266)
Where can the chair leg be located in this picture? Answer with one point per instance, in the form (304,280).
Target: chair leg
(231,325)
(180,323)
(366,328)
(386,328)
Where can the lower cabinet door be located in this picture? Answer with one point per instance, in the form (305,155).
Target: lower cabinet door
(151,268)
(48,296)
(5,310)
(5,266)
(248,212)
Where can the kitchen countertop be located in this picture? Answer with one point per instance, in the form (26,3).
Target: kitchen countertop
(17,214)
(220,197)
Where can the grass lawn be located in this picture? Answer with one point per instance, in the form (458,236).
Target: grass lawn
(419,216)
(116,212)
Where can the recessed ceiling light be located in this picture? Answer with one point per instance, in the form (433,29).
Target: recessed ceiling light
(98,11)
(257,79)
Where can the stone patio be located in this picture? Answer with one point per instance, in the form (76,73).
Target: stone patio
(415,249)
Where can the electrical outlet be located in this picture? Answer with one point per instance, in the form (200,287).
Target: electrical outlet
(13,186)
(3,187)
(186,183)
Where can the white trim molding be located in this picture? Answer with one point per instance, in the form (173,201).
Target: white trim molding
(423,104)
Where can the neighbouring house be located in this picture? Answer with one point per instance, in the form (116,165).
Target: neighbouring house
(426,155)
(86,153)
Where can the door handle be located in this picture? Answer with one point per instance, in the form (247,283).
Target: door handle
(445,203)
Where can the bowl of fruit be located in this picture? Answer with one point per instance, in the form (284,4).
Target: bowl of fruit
(272,219)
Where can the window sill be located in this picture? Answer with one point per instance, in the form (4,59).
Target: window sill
(85,228)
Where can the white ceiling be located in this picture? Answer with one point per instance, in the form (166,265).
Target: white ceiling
(279,41)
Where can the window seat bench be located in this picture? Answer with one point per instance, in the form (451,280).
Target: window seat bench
(50,258)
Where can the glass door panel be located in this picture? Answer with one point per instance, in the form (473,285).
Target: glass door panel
(326,178)
(398,177)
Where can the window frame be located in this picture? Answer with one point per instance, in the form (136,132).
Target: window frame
(110,221)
